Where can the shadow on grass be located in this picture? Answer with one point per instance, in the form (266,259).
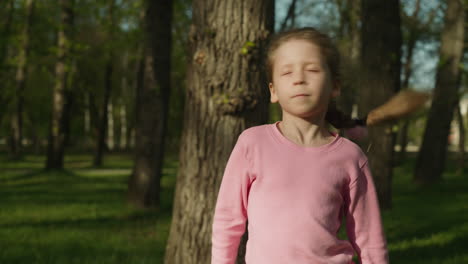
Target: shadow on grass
(79,215)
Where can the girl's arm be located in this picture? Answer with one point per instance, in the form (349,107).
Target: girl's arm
(230,214)
(363,220)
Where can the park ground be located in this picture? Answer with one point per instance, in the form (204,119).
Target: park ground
(79,215)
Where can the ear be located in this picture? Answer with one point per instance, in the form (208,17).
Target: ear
(273,95)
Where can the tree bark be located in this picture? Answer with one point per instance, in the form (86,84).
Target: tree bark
(17,115)
(102,127)
(227,93)
(430,163)
(380,61)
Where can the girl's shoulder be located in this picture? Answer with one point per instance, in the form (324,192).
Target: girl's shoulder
(352,151)
(254,132)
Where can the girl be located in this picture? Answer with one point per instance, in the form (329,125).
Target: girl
(293,181)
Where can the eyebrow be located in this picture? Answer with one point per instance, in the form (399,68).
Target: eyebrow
(306,63)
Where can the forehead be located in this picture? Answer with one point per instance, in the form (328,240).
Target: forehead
(297,51)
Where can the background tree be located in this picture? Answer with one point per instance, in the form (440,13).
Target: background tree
(380,64)
(226,94)
(349,45)
(5,36)
(109,69)
(152,104)
(415,30)
(17,114)
(431,159)
(58,123)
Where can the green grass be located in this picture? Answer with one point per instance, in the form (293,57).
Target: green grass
(80,216)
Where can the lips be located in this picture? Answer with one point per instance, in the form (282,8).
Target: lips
(300,95)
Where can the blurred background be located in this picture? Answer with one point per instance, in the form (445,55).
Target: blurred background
(117,118)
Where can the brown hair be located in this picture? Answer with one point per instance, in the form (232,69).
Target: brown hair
(331,55)
(327,48)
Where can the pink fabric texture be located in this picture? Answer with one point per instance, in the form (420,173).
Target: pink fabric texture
(293,200)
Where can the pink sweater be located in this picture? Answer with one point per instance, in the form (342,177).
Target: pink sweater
(294,199)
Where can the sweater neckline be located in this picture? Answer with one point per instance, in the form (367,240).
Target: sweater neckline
(280,138)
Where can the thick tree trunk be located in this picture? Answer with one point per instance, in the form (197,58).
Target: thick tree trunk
(152,105)
(431,159)
(380,61)
(102,126)
(17,115)
(227,93)
(58,124)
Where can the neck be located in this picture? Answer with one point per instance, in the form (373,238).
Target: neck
(306,131)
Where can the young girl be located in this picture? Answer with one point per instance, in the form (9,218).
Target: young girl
(293,181)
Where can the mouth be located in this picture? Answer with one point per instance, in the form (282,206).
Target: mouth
(300,95)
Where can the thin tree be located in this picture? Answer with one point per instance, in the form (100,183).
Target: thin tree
(58,123)
(380,63)
(103,124)
(152,104)
(21,76)
(430,163)
(461,140)
(4,44)
(226,94)
(416,29)
(349,45)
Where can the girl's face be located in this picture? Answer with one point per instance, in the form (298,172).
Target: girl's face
(302,83)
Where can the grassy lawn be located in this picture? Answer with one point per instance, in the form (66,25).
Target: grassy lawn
(80,215)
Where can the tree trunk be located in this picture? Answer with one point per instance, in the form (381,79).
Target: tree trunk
(110,126)
(123,106)
(431,159)
(349,46)
(461,141)
(226,93)
(123,126)
(152,105)
(58,124)
(102,126)
(4,44)
(380,61)
(17,115)
(413,33)
(290,16)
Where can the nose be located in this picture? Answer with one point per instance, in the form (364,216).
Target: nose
(299,78)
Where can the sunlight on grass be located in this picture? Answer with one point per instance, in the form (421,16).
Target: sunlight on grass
(79,215)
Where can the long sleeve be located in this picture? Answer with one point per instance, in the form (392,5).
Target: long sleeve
(230,214)
(363,221)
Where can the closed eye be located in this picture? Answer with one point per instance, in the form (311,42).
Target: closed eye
(286,73)
(313,70)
